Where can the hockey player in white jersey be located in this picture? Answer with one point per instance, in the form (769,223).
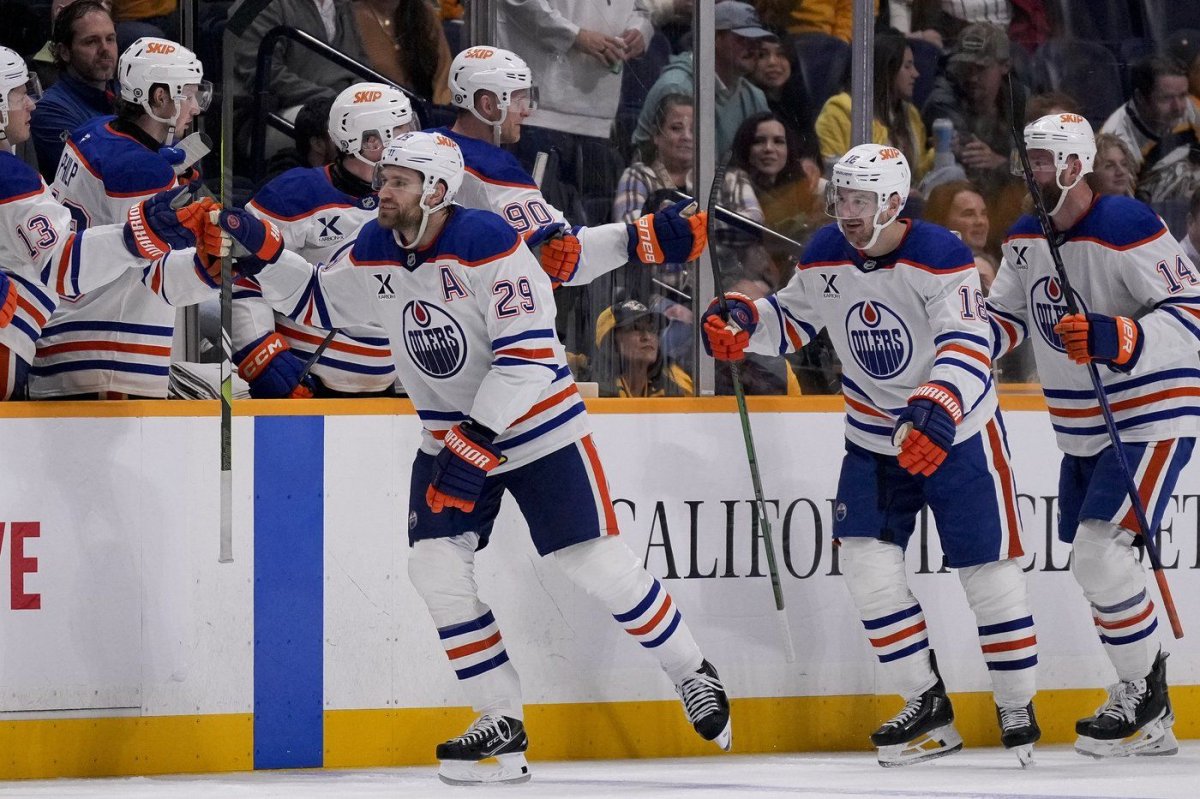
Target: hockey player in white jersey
(902,305)
(318,209)
(1140,323)
(41,254)
(115,342)
(472,314)
(494,92)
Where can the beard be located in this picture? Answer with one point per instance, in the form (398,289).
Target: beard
(1050,196)
(400,219)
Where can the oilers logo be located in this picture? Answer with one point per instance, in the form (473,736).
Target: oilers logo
(434,340)
(878,338)
(1048,305)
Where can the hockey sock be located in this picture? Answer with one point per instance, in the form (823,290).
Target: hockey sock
(1114,581)
(443,572)
(609,571)
(996,593)
(894,621)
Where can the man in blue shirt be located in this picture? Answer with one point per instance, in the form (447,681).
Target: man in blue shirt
(85,50)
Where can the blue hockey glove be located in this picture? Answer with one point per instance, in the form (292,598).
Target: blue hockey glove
(259,237)
(672,235)
(154,226)
(1112,340)
(925,428)
(272,371)
(462,466)
(727,340)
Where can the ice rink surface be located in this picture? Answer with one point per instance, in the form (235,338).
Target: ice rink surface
(977,773)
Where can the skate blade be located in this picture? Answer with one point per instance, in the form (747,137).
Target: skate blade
(1153,740)
(724,738)
(933,744)
(1024,754)
(512,769)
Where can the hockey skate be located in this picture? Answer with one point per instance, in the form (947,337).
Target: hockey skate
(707,705)
(491,737)
(922,730)
(1019,731)
(1135,720)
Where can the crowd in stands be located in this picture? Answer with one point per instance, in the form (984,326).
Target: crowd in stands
(615,114)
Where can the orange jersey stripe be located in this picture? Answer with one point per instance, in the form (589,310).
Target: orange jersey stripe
(1116,625)
(110,346)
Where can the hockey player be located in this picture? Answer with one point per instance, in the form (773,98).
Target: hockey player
(1140,297)
(494,92)
(41,254)
(317,210)
(902,305)
(473,315)
(115,342)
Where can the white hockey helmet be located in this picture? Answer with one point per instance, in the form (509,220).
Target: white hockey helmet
(365,109)
(150,61)
(1063,135)
(498,71)
(436,157)
(13,75)
(875,168)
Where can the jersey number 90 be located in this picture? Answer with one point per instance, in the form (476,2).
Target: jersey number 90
(527,215)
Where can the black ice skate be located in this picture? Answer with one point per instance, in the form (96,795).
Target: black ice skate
(706,705)
(491,736)
(1019,731)
(1135,720)
(923,730)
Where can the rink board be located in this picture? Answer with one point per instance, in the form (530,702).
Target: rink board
(125,648)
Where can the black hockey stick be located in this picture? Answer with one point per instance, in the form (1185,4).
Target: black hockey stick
(744,416)
(1110,424)
(312,359)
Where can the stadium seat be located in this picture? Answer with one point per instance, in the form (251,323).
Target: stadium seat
(824,61)
(1086,71)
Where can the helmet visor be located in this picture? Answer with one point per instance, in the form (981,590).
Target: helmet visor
(396,178)
(842,202)
(200,94)
(524,99)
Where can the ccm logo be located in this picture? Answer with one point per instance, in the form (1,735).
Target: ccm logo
(480,52)
(367,97)
(20,565)
(160,48)
(262,356)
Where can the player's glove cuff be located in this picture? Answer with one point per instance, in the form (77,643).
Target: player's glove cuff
(944,395)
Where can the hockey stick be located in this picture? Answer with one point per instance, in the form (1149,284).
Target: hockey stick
(233,30)
(747,435)
(312,360)
(1110,424)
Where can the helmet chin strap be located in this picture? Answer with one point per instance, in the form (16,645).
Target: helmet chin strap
(878,228)
(1062,197)
(171,123)
(496,125)
(426,211)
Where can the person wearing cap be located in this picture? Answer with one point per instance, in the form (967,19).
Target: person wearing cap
(974,94)
(629,358)
(577,49)
(739,30)
(1161,125)
(84,48)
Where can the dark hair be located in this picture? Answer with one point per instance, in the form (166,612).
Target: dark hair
(417,26)
(889,107)
(312,121)
(743,140)
(62,32)
(937,204)
(1194,204)
(1145,71)
(646,150)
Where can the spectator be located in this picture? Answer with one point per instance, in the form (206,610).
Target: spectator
(1113,172)
(139,18)
(1184,47)
(312,146)
(405,43)
(84,42)
(1191,239)
(897,122)
(739,32)
(787,97)
(577,49)
(44,63)
(975,95)
(786,179)
(760,374)
(1161,126)
(629,359)
(830,17)
(298,74)
(960,207)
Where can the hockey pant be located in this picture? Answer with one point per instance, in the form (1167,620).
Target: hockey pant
(443,572)
(895,623)
(1106,566)
(14,375)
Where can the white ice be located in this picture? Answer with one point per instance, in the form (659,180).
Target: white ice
(976,773)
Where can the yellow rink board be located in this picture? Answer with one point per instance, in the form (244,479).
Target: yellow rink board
(103,747)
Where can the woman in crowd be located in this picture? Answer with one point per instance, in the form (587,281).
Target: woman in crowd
(787,97)
(629,357)
(1113,171)
(960,206)
(404,41)
(897,121)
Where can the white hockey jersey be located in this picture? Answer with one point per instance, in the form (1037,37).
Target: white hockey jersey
(896,322)
(1121,261)
(495,181)
(116,338)
(316,219)
(472,319)
(46,260)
